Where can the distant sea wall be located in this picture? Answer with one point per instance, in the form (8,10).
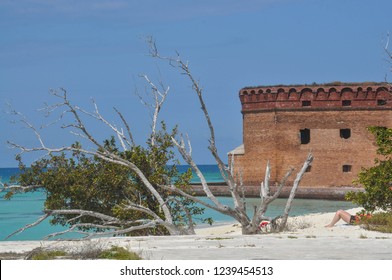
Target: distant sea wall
(329,193)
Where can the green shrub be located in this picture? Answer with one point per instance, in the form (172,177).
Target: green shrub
(376,180)
(381,222)
(47,255)
(119,253)
(89,253)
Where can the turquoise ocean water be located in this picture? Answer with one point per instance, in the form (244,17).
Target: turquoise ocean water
(23,209)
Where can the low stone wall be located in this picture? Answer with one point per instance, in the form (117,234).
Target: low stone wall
(330,193)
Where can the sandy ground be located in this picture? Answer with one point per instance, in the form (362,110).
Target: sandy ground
(307,225)
(306,239)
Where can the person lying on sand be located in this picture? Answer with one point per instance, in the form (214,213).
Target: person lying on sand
(345,216)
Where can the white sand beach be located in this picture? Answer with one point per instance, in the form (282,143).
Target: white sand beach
(307,225)
(306,239)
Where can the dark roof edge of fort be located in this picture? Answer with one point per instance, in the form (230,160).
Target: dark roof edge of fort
(326,96)
(330,84)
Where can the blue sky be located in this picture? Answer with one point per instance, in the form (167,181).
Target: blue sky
(95,49)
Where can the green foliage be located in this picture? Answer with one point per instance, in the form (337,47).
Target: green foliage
(46,255)
(78,181)
(362,216)
(118,253)
(377,180)
(379,222)
(383,140)
(114,253)
(292,237)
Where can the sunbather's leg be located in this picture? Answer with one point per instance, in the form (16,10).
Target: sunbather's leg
(340,214)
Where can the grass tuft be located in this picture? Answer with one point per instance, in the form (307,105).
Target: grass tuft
(218,238)
(292,237)
(42,254)
(118,253)
(90,252)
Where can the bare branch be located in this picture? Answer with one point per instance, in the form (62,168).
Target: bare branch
(282,183)
(116,231)
(159,99)
(27,124)
(188,158)
(220,208)
(184,67)
(267,178)
(300,174)
(231,169)
(242,190)
(73,110)
(386,48)
(140,208)
(125,143)
(126,126)
(18,188)
(113,225)
(266,198)
(149,224)
(191,228)
(37,222)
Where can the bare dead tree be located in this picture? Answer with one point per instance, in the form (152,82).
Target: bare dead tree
(238,212)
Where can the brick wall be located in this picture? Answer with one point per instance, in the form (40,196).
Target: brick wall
(272,125)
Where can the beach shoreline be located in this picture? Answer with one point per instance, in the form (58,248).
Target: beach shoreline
(307,238)
(251,191)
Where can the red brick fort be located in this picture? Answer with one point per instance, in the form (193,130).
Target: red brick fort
(283,123)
